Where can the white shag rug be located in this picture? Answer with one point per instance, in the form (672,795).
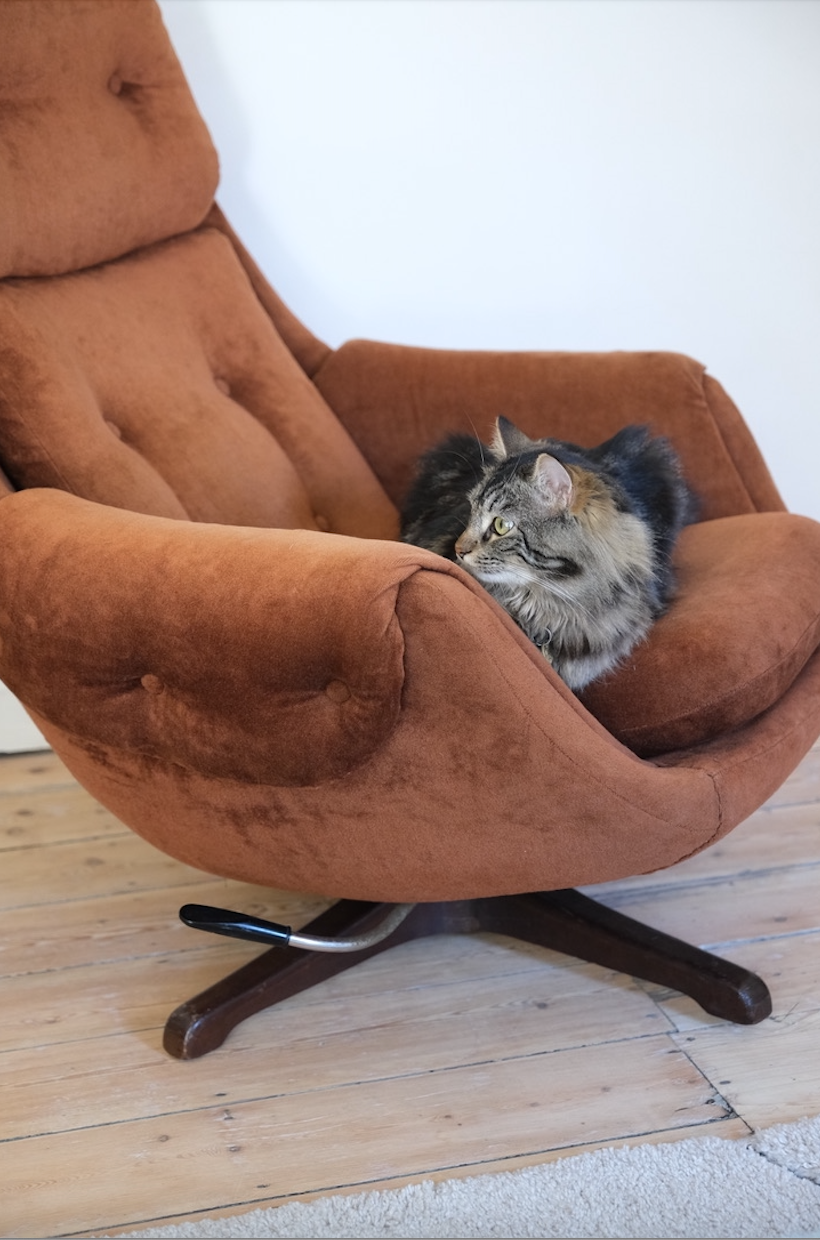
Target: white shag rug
(767,1185)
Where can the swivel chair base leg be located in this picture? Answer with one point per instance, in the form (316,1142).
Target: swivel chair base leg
(564,921)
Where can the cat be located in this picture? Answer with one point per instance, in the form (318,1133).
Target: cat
(575,543)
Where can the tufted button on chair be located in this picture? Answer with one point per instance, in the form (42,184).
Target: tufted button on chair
(205,609)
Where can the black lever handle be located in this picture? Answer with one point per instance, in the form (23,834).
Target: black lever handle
(234,925)
(241,926)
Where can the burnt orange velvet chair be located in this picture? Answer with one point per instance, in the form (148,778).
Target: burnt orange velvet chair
(204,607)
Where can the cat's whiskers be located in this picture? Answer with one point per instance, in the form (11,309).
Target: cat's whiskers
(531,577)
(479,442)
(535,584)
(462,456)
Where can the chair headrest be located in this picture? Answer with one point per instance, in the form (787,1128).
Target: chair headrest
(102,148)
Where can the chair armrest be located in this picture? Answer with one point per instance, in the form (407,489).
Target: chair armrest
(267,656)
(323,713)
(395,401)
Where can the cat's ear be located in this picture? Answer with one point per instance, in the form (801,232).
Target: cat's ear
(509,440)
(553,482)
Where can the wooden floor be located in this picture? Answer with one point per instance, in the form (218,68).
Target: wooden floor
(442,1057)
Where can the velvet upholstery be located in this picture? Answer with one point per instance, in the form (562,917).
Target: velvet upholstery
(730,646)
(203,604)
(182,398)
(582,397)
(101,144)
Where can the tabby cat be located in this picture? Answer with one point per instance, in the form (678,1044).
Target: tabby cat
(574,542)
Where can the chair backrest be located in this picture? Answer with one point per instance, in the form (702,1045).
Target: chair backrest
(141,366)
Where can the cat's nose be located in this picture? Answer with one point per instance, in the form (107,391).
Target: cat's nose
(464,545)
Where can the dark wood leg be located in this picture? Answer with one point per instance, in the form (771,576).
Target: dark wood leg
(565,921)
(203,1023)
(570,922)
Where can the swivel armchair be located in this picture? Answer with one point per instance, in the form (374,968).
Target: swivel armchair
(205,608)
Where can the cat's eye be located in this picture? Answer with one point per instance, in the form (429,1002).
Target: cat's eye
(502,526)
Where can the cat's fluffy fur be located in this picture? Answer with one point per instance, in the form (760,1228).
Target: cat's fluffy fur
(574,542)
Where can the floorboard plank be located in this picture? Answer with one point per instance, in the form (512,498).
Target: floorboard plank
(305,1045)
(88,867)
(469,1116)
(31,771)
(37,818)
(725,911)
(108,928)
(769,1074)
(731,1129)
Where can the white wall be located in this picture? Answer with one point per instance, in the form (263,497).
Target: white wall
(583,174)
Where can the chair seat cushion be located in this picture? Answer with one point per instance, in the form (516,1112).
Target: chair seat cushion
(744,622)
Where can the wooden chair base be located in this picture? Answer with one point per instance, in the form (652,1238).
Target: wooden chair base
(565,921)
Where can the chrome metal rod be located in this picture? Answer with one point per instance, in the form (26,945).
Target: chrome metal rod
(357,942)
(241,926)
